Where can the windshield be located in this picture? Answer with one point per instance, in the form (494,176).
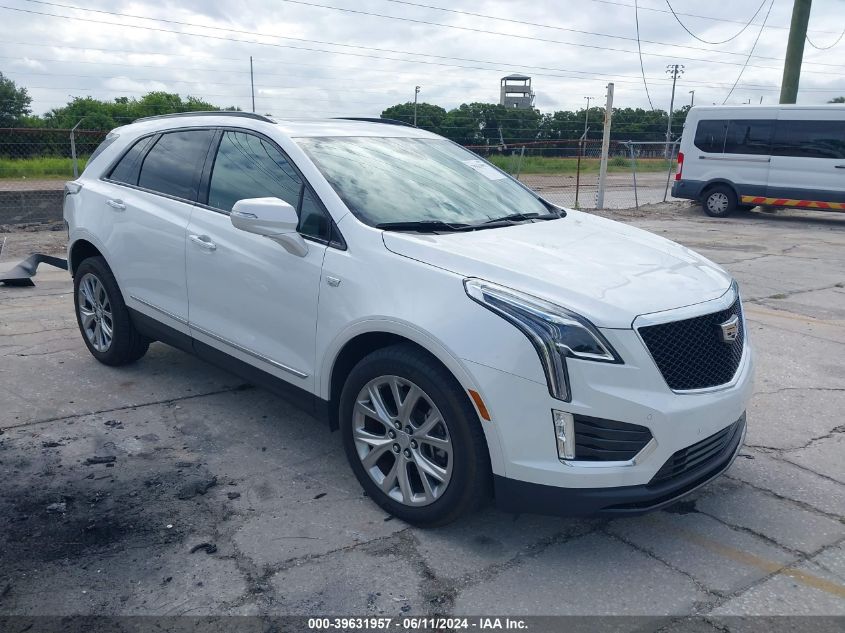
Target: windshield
(389,180)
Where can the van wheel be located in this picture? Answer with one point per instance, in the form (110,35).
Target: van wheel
(719,201)
(103,319)
(412,437)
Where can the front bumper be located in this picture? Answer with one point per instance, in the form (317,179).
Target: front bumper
(521,496)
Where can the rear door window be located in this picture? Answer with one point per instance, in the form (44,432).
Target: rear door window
(174,165)
(810,139)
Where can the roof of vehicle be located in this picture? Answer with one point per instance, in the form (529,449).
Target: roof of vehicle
(294,127)
(785,106)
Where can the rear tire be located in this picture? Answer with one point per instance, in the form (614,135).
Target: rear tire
(102,316)
(423,474)
(719,201)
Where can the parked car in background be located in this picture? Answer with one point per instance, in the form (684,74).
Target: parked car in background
(466,336)
(738,157)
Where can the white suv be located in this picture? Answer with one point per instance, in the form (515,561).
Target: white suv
(467,337)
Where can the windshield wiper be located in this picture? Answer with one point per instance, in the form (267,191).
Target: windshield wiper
(429,226)
(516,217)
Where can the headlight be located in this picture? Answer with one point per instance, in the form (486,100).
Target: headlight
(554,331)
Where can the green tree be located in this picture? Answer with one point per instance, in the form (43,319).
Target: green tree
(14,103)
(429,116)
(837,100)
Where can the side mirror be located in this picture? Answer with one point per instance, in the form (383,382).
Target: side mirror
(270,217)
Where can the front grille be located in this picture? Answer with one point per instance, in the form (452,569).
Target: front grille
(608,441)
(691,353)
(702,454)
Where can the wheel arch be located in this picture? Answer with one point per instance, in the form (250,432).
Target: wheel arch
(365,337)
(717,181)
(81,249)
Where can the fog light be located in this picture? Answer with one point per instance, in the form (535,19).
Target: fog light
(564,434)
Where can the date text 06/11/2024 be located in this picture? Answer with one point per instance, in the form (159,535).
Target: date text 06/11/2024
(417,624)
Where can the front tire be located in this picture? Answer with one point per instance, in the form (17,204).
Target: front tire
(102,316)
(412,437)
(719,201)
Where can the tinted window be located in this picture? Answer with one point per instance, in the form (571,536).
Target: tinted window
(813,139)
(749,137)
(174,164)
(250,167)
(710,136)
(313,219)
(127,168)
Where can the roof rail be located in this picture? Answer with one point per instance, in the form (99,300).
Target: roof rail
(235,113)
(374,120)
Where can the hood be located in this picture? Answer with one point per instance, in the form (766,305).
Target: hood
(606,271)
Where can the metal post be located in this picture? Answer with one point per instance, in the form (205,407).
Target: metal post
(587,115)
(578,169)
(605,146)
(668,175)
(416,92)
(73,149)
(795,51)
(634,172)
(519,164)
(674,70)
(252,83)
(691,98)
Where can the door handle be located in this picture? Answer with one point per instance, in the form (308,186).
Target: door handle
(203,241)
(118,205)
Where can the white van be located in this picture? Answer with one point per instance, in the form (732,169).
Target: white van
(738,157)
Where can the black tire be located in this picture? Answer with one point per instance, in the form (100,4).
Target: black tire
(470,483)
(719,201)
(126,345)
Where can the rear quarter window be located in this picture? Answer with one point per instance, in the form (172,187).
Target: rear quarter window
(129,166)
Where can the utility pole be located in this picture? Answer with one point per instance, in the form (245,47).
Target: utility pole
(795,50)
(587,115)
(675,70)
(252,83)
(416,92)
(691,98)
(605,147)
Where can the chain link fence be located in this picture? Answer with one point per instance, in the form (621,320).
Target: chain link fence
(34,166)
(567,172)
(35,163)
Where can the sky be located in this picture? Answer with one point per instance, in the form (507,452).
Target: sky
(314,60)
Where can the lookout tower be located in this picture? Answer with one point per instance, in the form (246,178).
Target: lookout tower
(516,92)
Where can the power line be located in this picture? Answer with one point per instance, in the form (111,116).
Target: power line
(695,15)
(757,39)
(732,37)
(640,52)
(825,48)
(161,30)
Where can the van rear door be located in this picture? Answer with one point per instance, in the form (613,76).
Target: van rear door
(808,158)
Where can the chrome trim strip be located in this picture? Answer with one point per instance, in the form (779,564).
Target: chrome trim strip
(170,315)
(688,312)
(646,450)
(737,159)
(250,352)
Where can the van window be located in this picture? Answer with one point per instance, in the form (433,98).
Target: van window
(810,139)
(739,136)
(752,136)
(710,135)
(174,164)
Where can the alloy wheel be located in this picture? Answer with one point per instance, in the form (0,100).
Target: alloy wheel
(95,312)
(402,440)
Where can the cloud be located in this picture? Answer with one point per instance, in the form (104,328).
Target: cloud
(328,66)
